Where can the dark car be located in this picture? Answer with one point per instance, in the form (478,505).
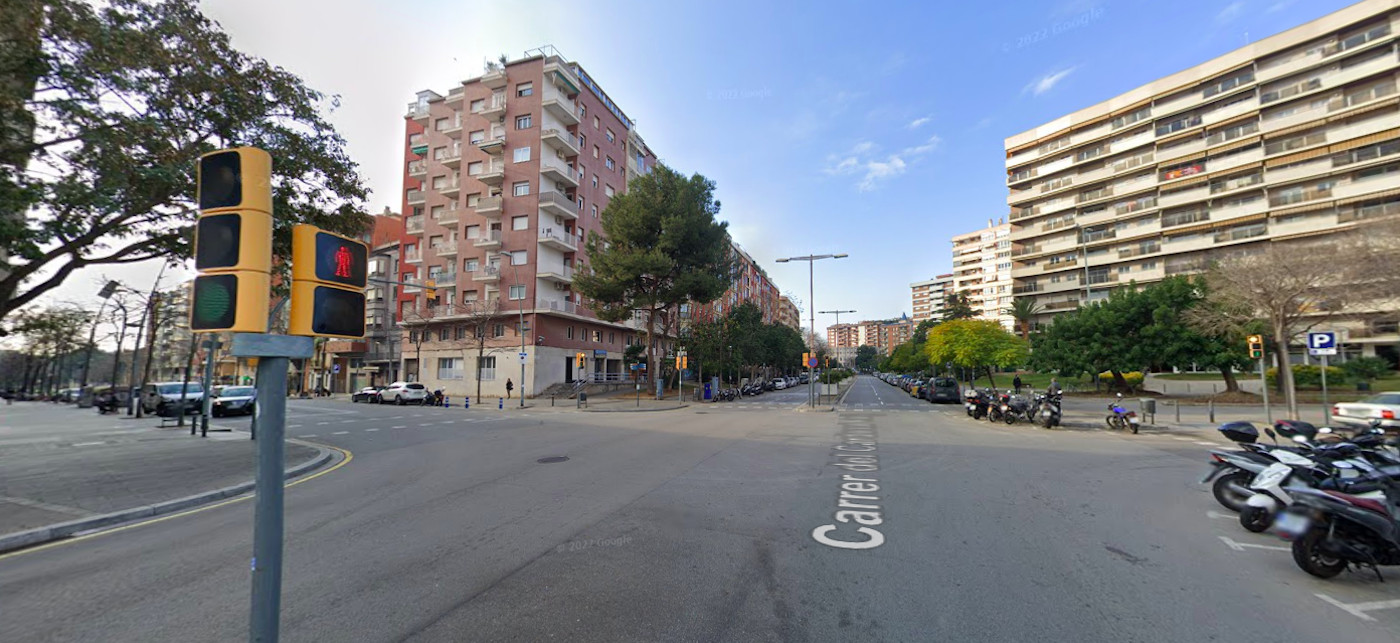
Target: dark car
(941,389)
(234,400)
(367,394)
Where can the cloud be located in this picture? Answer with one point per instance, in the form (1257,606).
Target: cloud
(1048,81)
(1230,12)
(875,169)
(1278,6)
(919,122)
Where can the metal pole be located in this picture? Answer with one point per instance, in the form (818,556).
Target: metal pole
(812,314)
(207,402)
(522,341)
(271,412)
(117,361)
(92,345)
(1264,383)
(1326,410)
(136,353)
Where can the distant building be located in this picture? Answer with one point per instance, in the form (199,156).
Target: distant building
(982,271)
(928,297)
(788,313)
(751,285)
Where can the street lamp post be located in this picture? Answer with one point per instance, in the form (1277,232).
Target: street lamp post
(106,293)
(838,320)
(520,330)
(812,309)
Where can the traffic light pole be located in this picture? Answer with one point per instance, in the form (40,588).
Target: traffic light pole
(1264,386)
(274,353)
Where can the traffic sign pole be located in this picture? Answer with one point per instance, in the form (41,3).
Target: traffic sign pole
(1326,410)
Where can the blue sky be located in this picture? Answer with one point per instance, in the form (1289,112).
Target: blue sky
(871,128)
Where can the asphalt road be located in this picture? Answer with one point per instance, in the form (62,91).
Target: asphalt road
(705,525)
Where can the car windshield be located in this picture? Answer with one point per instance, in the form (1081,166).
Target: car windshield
(945,381)
(1383,398)
(237,391)
(174,389)
(415,386)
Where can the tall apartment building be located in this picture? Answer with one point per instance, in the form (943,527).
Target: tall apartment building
(751,285)
(982,271)
(374,360)
(843,335)
(929,295)
(505,178)
(1292,136)
(788,313)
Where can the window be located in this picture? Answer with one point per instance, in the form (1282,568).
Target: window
(1378,171)
(611,137)
(436,212)
(598,336)
(470,265)
(520,223)
(582,142)
(1226,84)
(478,105)
(569,332)
(595,211)
(473,199)
(468,298)
(498,330)
(612,337)
(1149,265)
(478,136)
(522,154)
(412,336)
(1128,119)
(1178,124)
(524,89)
(595,122)
(517,292)
(609,164)
(595,181)
(442,124)
(486,366)
(608,190)
(474,168)
(523,122)
(518,258)
(595,151)
(473,232)
(443,334)
(520,188)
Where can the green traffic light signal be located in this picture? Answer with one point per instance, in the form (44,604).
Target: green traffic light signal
(213,302)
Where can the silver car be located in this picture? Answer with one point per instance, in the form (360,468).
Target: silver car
(1358,414)
(404,393)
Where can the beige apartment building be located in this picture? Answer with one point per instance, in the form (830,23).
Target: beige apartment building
(982,270)
(928,297)
(1292,136)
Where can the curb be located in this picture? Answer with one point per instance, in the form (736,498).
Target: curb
(59,531)
(666,408)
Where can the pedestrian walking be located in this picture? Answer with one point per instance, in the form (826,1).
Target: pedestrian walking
(509,387)
(1017,383)
(1054,389)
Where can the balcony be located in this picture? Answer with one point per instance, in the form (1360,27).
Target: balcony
(455,96)
(493,146)
(1061,305)
(490,240)
(444,279)
(562,72)
(488,274)
(558,105)
(1298,196)
(1178,197)
(562,141)
(555,203)
(556,171)
(417,168)
(446,249)
(415,197)
(493,174)
(1025,289)
(1100,235)
(413,225)
(413,256)
(558,240)
(1103,278)
(449,217)
(1138,251)
(454,128)
(556,274)
(495,108)
(417,112)
(489,207)
(1060,265)
(1025,250)
(495,78)
(450,189)
(449,157)
(557,306)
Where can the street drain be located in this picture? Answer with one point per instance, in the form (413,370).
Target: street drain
(552,459)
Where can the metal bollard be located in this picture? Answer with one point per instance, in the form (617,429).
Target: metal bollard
(1210,404)
(446,402)
(466,401)
(1177,404)
(551,400)
(501,403)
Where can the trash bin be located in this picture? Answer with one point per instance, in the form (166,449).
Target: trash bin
(1149,405)
(583,396)
(707,391)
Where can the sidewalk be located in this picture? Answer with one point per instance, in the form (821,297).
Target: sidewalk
(1192,417)
(60,465)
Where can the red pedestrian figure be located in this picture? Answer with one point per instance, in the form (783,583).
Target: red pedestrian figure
(342,262)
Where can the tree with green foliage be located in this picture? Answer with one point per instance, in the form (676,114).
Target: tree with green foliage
(1365,369)
(955,306)
(1024,310)
(122,98)
(866,357)
(974,344)
(660,247)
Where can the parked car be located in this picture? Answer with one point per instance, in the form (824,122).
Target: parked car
(233,400)
(368,394)
(404,393)
(779,383)
(916,388)
(942,389)
(1358,414)
(156,398)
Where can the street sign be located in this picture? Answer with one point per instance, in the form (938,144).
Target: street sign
(1322,343)
(523,356)
(335,368)
(812,361)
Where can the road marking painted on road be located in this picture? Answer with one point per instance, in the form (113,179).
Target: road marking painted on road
(339,432)
(1217,514)
(398,427)
(38,504)
(1177,437)
(87,444)
(320,423)
(371,430)
(293,426)
(1239,546)
(308,435)
(1204,443)
(1359,609)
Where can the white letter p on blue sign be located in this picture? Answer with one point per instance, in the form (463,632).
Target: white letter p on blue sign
(1322,340)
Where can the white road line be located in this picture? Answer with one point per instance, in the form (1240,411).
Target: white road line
(1206,444)
(308,435)
(339,432)
(293,426)
(398,427)
(320,423)
(1359,609)
(1217,514)
(1239,546)
(371,430)
(1177,437)
(87,444)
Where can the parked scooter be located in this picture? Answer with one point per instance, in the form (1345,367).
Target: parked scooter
(1047,412)
(997,406)
(1121,418)
(1332,465)
(1332,530)
(978,402)
(1017,408)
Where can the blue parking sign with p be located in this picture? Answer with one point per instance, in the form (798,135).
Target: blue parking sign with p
(1322,343)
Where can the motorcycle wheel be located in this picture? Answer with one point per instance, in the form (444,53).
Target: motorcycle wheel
(1232,490)
(1256,519)
(1010,418)
(1308,554)
(1134,426)
(1112,421)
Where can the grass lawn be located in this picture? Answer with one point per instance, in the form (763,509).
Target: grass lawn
(1039,381)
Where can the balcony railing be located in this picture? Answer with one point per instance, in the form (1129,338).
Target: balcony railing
(417,168)
(556,306)
(1241,233)
(489,273)
(1026,250)
(1100,235)
(560,241)
(556,203)
(446,248)
(1062,305)
(489,206)
(413,225)
(489,238)
(1140,250)
(415,196)
(1060,264)
(1299,196)
(413,256)
(1026,289)
(449,217)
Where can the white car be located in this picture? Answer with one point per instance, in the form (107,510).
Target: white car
(1358,414)
(404,393)
(779,383)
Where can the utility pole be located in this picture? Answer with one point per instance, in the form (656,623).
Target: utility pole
(812,310)
(106,293)
(149,313)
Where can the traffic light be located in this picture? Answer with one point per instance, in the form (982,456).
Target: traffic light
(329,274)
(805,358)
(579,357)
(430,289)
(1256,346)
(681,362)
(233,242)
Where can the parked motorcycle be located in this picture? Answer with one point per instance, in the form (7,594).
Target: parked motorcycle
(978,403)
(1046,411)
(1332,530)
(997,406)
(1121,418)
(1336,466)
(1017,408)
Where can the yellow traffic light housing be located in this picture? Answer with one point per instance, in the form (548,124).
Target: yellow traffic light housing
(430,289)
(329,275)
(233,242)
(1256,346)
(579,356)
